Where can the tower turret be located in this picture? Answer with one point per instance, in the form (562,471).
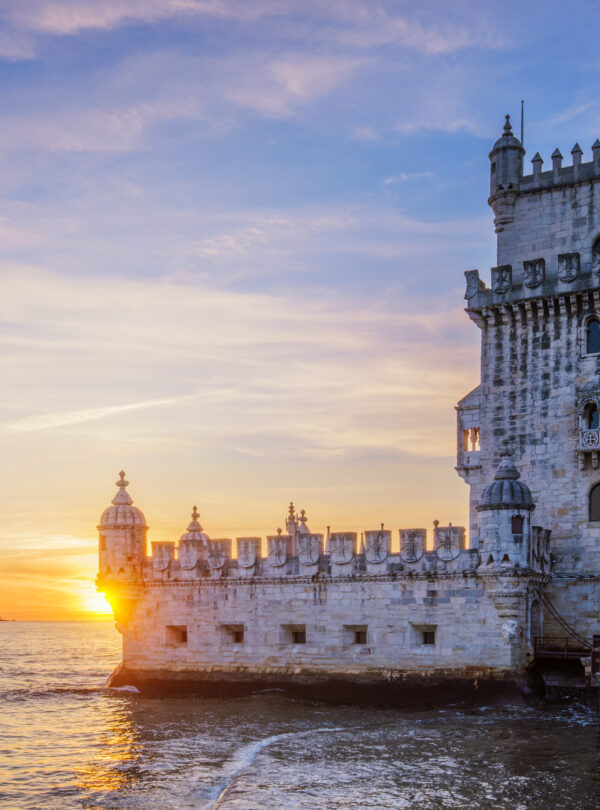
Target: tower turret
(506,171)
(505,512)
(122,531)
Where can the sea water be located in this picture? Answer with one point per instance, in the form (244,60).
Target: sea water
(68,742)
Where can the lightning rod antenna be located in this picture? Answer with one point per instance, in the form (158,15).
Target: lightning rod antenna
(522,135)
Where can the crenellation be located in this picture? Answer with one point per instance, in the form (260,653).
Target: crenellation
(320,608)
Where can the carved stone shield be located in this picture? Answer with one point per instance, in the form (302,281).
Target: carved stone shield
(473,283)
(568,266)
(162,554)
(309,548)
(248,549)
(412,544)
(449,542)
(188,554)
(278,550)
(502,279)
(534,272)
(218,552)
(377,546)
(342,547)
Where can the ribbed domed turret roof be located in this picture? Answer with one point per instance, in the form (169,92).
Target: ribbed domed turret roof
(507,139)
(122,514)
(195,530)
(506,491)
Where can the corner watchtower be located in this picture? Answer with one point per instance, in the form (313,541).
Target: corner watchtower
(122,542)
(506,171)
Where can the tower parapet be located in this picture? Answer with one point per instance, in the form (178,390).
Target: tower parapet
(122,528)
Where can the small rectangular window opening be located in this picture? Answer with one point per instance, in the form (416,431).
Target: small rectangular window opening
(233,633)
(102,543)
(292,634)
(176,634)
(429,637)
(517,522)
(360,636)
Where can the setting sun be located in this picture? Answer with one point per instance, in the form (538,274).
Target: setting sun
(93,603)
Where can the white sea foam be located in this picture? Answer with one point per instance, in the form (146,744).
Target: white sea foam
(245,755)
(133,689)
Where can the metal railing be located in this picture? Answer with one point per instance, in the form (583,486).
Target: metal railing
(559,647)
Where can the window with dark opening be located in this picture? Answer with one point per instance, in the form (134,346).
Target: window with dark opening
(591,417)
(360,636)
(176,634)
(298,636)
(517,524)
(428,636)
(593,336)
(102,543)
(595,504)
(233,633)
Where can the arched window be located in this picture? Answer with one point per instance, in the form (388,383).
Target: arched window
(592,336)
(591,416)
(595,504)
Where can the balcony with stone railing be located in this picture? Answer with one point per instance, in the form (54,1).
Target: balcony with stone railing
(589,439)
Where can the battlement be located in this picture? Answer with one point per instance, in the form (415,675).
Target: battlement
(560,175)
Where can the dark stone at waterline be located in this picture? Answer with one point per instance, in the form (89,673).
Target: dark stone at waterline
(404,690)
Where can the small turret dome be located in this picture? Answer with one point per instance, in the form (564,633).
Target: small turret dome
(195,530)
(122,514)
(506,491)
(507,139)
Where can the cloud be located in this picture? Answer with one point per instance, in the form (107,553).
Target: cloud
(403,176)
(572,112)
(279,85)
(66,418)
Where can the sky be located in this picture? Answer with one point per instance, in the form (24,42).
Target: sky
(232,244)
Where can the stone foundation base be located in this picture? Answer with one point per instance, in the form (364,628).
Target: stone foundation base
(402,689)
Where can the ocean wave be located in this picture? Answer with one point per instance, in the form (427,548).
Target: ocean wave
(245,755)
(30,693)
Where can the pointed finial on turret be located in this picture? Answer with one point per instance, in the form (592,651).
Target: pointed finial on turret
(122,497)
(507,125)
(537,158)
(291,509)
(577,148)
(195,524)
(280,531)
(303,517)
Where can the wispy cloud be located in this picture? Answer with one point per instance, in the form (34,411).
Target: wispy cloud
(66,418)
(403,176)
(572,112)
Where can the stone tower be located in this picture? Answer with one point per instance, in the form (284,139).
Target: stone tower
(123,531)
(539,395)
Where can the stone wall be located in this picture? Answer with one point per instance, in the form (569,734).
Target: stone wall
(362,625)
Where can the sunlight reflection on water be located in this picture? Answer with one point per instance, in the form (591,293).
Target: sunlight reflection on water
(66,742)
